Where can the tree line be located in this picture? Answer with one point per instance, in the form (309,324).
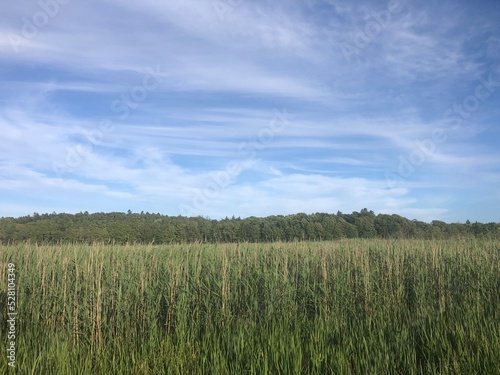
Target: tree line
(120,227)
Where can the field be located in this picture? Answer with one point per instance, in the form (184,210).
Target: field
(343,307)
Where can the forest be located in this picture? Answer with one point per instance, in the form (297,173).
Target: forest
(120,227)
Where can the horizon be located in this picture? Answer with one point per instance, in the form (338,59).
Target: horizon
(235,108)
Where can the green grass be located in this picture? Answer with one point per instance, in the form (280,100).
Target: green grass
(346,307)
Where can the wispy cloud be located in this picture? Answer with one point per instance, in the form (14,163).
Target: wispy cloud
(354,120)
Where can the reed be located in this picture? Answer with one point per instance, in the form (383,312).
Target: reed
(344,307)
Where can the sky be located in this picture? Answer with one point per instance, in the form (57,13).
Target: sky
(217,108)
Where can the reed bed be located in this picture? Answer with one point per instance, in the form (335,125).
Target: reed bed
(344,307)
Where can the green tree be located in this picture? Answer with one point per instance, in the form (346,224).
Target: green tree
(365,226)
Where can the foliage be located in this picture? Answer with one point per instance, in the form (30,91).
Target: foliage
(343,307)
(145,228)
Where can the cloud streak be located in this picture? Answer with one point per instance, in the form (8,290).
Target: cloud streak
(221,77)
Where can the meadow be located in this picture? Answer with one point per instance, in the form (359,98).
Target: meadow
(340,307)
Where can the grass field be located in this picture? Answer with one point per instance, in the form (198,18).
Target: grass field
(345,307)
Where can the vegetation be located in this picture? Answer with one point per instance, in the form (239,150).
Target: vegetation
(333,307)
(145,228)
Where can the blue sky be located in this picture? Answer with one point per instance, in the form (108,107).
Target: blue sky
(238,107)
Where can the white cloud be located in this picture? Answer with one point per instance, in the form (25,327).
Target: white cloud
(351,120)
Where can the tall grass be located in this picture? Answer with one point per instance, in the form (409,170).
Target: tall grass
(346,307)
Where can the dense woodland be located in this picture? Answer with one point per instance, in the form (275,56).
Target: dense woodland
(142,227)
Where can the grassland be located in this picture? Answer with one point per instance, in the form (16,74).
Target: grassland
(345,307)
